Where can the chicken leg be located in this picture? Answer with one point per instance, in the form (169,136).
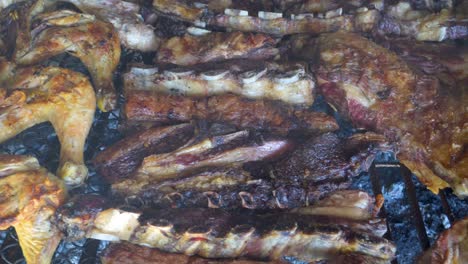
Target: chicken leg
(29,196)
(93,41)
(63,97)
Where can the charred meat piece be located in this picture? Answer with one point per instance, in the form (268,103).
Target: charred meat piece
(231,109)
(251,19)
(65,98)
(122,253)
(326,157)
(229,189)
(290,84)
(451,246)
(317,167)
(126,19)
(227,150)
(377,90)
(181,192)
(215,233)
(29,196)
(93,41)
(123,158)
(326,7)
(190,49)
(448,61)
(432,5)
(402,20)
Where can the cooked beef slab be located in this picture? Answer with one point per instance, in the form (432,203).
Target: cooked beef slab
(231,109)
(120,160)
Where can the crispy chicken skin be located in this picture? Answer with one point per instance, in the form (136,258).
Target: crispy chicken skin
(93,41)
(125,17)
(60,96)
(451,247)
(29,196)
(377,90)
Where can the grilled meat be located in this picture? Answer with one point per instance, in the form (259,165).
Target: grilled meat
(126,19)
(350,204)
(215,233)
(451,247)
(316,168)
(218,151)
(447,61)
(378,90)
(190,49)
(231,109)
(29,196)
(290,84)
(322,7)
(121,253)
(229,189)
(123,158)
(400,19)
(94,42)
(65,98)
(264,21)
(325,158)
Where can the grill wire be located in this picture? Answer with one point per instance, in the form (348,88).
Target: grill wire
(415,216)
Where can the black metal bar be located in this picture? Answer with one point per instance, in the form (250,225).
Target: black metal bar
(417,216)
(446,206)
(377,190)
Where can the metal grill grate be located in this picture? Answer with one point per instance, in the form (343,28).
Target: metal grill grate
(415,216)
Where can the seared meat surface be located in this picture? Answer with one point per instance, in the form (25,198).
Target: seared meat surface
(231,109)
(287,83)
(402,20)
(232,150)
(250,17)
(123,158)
(215,233)
(377,90)
(201,175)
(216,46)
(325,158)
(121,253)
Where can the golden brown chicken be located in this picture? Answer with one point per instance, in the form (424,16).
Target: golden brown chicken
(29,196)
(93,41)
(38,94)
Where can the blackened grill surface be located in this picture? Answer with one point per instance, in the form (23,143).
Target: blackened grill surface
(403,193)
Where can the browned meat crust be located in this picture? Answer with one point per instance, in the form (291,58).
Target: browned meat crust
(377,90)
(121,159)
(324,158)
(217,46)
(231,109)
(121,253)
(215,233)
